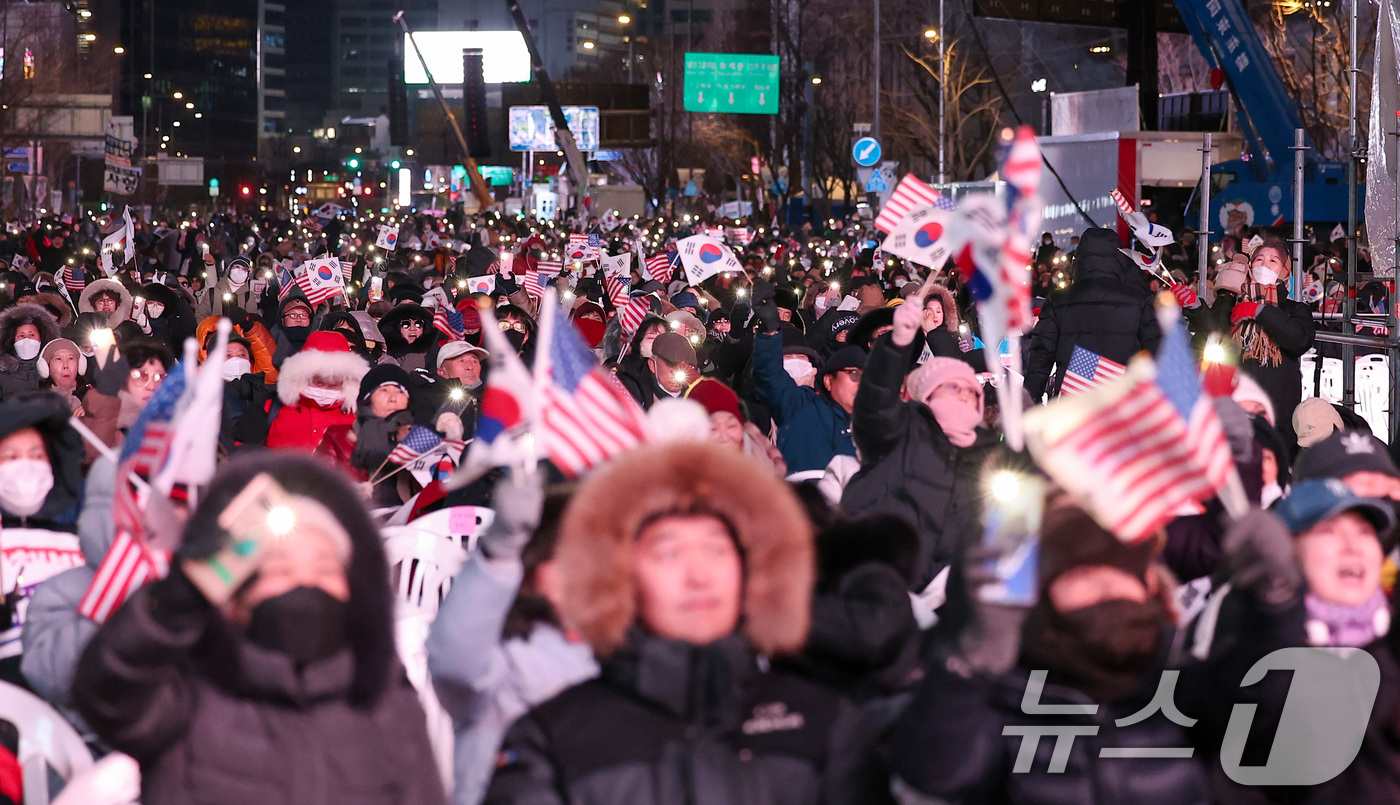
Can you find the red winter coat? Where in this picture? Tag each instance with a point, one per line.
(302, 426)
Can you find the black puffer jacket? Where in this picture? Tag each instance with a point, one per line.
(1107, 311)
(667, 722)
(909, 468)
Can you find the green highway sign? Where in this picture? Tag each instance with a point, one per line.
(743, 83)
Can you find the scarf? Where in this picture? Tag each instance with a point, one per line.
(1254, 343)
(1103, 649)
(957, 420)
(1353, 627)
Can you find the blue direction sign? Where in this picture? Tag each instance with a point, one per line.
(877, 183)
(867, 152)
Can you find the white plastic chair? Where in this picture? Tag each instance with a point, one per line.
(113, 780)
(46, 740)
(1373, 393)
(1331, 383)
(1308, 364)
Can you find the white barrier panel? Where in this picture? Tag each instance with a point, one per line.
(1372, 387)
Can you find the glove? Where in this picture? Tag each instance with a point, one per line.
(112, 377)
(1259, 554)
(849, 303)
(449, 425)
(765, 306)
(1244, 311)
(1185, 296)
(518, 500)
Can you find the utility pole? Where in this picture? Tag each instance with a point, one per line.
(875, 120)
(942, 97)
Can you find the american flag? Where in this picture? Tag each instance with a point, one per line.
(448, 321)
(1088, 370)
(533, 283)
(285, 282)
(588, 418)
(550, 267)
(347, 268)
(73, 278)
(1138, 450)
(630, 317)
(420, 442)
(618, 289)
(741, 235)
(657, 267)
(910, 193)
(130, 562)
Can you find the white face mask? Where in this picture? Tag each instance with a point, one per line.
(27, 348)
(322, 397)
(237, 276)
(797, 368)
(820, 303)
(900, 282)
(235, 368)
(24, 485)
(154, 309)
(1264, 275)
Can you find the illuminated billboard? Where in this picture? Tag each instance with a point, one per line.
(505, 59)
(532, 128)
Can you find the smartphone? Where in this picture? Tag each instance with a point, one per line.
(1011, 535)
(254, 519)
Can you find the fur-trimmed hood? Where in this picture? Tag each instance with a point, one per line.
(11, 319)
(950, 307)
(123, 311)
(296, 372)
(600, 528)
(57, 306)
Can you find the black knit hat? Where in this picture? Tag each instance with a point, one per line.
(1343, 453)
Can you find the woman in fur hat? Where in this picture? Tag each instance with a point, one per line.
(683, 565)
(275, 680)
(24, 330)
(107, 297)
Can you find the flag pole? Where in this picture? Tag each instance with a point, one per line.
(540, 374)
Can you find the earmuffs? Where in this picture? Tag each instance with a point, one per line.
(43, 366)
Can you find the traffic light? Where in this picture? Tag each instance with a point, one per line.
(353, 163)
(396, 164)
(245, 190)
(474, 104)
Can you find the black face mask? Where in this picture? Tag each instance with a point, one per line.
(306, 624)
(516, 339)
(297, 335)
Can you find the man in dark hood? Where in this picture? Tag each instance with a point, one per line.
(293, 327)
(1107, 311)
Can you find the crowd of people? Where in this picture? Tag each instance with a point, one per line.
(780, 597)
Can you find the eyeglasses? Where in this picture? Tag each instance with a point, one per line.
(518, 326)
(297, 316)
(404, 325)
(854, 374)
(147, 378)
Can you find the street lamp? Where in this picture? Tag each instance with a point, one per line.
(624, 19)
(931, 34)
(816, 79)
